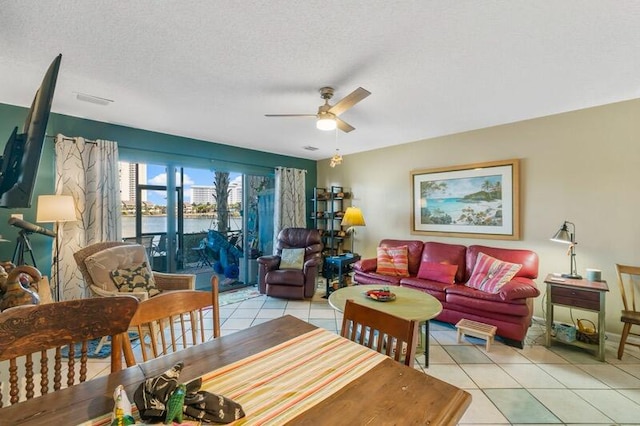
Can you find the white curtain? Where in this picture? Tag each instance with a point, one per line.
(88, 171)
(290, 210)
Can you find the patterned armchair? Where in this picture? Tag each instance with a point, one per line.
(110, 268)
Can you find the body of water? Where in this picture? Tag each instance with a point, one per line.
(151, 224)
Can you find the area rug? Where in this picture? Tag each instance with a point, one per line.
(237, 296)
(104, 351)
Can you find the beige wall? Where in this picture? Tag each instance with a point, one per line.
(581, 166)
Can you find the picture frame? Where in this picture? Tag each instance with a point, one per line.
(479, 200)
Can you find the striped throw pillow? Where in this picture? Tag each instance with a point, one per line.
(490, 274)
(393, 261)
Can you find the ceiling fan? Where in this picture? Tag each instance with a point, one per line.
(327, 116)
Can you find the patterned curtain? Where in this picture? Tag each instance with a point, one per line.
(290, 210)
(88, 171)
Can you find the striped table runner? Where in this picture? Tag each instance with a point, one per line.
(277, 384)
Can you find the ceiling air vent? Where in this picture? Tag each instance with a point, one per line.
(311, 148)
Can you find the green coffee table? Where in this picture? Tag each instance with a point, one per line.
(410, 304)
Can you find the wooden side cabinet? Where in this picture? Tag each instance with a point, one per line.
(577, 294)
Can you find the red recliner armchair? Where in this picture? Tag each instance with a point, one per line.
(293, 283)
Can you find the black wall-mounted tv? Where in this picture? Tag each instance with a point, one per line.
(21, 158)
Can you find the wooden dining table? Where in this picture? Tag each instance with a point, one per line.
(375, 390)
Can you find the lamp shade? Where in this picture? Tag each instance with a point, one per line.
(55, 208)
(563, 235)
(353, 217)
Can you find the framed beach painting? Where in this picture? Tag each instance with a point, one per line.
(473, 201)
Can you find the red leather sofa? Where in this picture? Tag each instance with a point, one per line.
(510, 310)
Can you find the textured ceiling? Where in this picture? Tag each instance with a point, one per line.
(211, 69)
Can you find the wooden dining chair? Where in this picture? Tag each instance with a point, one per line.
(629, 282)
(172, 321)
(32, 338)
(380, 331)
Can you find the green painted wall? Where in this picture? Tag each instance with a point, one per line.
(134, 145)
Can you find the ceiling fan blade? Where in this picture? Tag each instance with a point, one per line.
(344, 126)
(350, 100)
(290, 115)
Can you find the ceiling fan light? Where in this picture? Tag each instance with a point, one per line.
(326, 123)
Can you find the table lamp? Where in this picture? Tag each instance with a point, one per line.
(352, 217)
(56, 209)
(564, 236)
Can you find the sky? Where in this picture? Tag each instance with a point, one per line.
(156, 175)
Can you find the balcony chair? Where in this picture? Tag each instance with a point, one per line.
(33, 335)
(380, 331)
(292, 272)
(629, 282)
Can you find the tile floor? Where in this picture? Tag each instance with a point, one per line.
(534, 385)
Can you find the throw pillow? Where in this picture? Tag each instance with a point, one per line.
(292, 258)
(439, 272)
(393, 261)
(136, 278)
(490, 274)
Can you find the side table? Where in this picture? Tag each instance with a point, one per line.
(338, 266)
(577, 294)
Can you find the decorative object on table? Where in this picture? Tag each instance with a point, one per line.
(16, 291)
(565, 237)
(594, 274)
(381, 295)
(56, 209)
(209, 407)
(175, 405)
(152, 395)
(122, 408)
(352, 217)
(474, 200)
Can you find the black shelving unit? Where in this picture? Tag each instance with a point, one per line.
(327, 212)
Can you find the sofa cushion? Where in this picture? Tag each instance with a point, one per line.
(490, 274)
(527, 258)
(453, 254)
(135, 278)
(292, 258)
(440, 272)
(392, 261)
(414, 251)
(99, 265)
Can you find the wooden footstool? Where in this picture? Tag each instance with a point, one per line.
(476, 329)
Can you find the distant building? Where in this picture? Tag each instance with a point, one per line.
(235, 192)
(203, 194)
(128, 181)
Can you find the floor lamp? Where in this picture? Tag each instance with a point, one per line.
(352, 217)
(56, 209)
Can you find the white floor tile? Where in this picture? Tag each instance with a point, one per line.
(502, 354)
(568, 406)
(303, 314)
(490, 376)
(270, 313)
(572, 377)
(322, 313)
(531, 376)
(482, 411)
(613, 404)
(612, 376)
(244, 313)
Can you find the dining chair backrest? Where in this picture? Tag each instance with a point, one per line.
(385, 333)
(173, 320)
(34, 338)
(629, 284)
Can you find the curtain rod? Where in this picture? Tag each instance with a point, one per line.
(64, 138)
